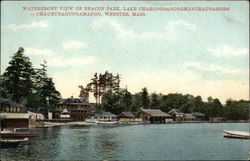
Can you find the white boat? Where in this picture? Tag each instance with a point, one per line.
(106, 118)
(91, 120)
(106, 122)
(236, 134)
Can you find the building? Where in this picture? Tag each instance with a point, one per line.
(14, 115)
(188, 117)
(153, 115)
(199, 116)
(79, 109)
(126, 117)
(36, 116)
(106, 117)
(216, 119)
(176, 114)
(10, 106)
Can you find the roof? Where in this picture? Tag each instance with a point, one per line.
(189, 115)
(106, 114)
(155, 112)
(75, 101)
(198, 114)
(175, 111)
(8, 102)
(126, 114)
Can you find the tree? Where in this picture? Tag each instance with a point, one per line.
(136, 102)
(236, 110)
(84, 92)
(154, 101)
(44, 94)
(17, 79)
(100, 84)
(126, 100)
(144, 98)
(111, 102)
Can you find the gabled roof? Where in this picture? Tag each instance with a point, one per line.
(126, 114)
(189, 115)
(155, 112)
(106, 114)
(175, 111)
(198, 114)
(75, 101)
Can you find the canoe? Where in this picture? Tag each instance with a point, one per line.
(11, 142)
(236, 134)
(18, 134)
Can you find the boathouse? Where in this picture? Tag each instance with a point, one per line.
(14, 115)
(176, 114)
(153, 115)
(126, 117)
(199, 116)
(188, 117)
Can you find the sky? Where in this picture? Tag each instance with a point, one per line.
(198, 53)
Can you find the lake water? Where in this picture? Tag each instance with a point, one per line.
(190, 141)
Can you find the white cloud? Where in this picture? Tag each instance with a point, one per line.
(174, 25)
(39, 52)
(74, 45)
(227, 50)
(124, 33)
(212, 68)
(72, 62)
(34, 24)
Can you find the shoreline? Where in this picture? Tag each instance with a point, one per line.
(51, 124)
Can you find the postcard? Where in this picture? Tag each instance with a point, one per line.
(124, 80)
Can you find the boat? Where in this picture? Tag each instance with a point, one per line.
(14, 134)
(106, 118)
(11, 142)
(44, 126)
(91, 120)
(106, 122)
(236, 134)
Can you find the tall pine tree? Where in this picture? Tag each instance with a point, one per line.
(17, 79)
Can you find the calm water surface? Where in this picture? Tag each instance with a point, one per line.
(193, 141)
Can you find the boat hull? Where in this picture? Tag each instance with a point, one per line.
(107, 122)
(10, 143)
(236, 134)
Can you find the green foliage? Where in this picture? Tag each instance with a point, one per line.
(236, 110)
(154, 101)
(111, 102)
(101, 84)
(144, 98)
(27, 85)
(17, 79)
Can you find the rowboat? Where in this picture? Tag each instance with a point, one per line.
(236, 134)
(11, 142)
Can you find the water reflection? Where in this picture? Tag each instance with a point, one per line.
(108, 145)
(140, 142)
